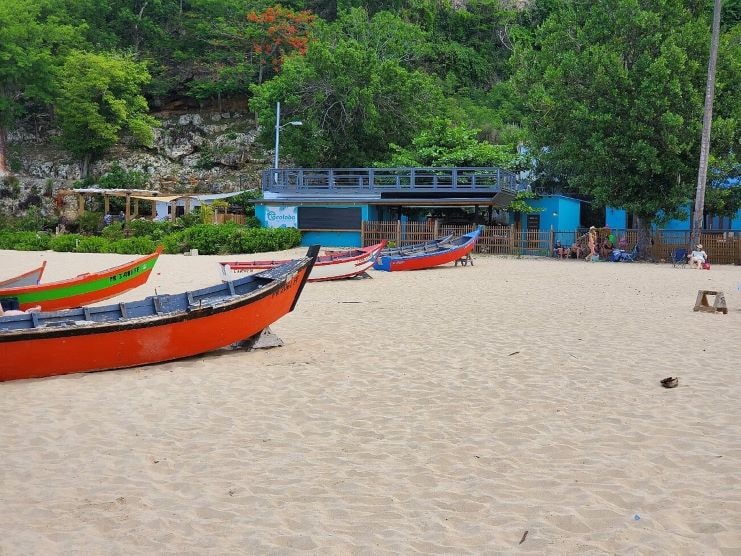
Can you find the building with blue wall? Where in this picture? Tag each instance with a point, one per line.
(329, 205)
(618, 219)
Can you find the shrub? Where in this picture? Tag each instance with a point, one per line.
(133, 246)
(258, 240)
(113, 232)
(118, 178)
(90, 222)
(173, 243)
(24, 241)
(92, 244)
(65, 243)
(252, 222)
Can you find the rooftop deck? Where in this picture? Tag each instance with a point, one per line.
(391, 183)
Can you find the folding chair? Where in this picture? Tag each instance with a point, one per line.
(679, 257)
(630, 257)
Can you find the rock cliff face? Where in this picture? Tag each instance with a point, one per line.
(197, 152)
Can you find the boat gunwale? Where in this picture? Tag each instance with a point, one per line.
(154, 320)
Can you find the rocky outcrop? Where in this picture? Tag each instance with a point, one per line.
(192, 152)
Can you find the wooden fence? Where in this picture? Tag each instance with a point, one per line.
(721, 247)
(221, 218)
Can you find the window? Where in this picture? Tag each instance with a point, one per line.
(323, 218)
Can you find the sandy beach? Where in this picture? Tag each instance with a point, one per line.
(513, 406)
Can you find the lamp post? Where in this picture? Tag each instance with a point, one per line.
(278, 127)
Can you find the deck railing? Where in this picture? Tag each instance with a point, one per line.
(721, 247)
(378, 180)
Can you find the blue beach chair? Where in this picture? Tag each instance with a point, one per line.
(630, 257)
(679, 257)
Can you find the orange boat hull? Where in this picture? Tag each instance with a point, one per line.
(142, 343)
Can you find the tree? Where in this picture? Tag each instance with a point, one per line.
(707, 123)
(352, 105)
(100, 100)
(279, 32)
(614, 89)
(30, 40)
(446, 144)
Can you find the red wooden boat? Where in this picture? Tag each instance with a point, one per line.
(427, 257)
(83, 289)
(334, 266)
(155, 329)
(30, 278)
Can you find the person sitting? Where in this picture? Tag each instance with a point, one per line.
(606, 249)
(559, 250)
(575, 251)
(698, 257)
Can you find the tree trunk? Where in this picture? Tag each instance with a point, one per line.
(4, 171)
(644, 237)
(85, 166)
(707, 123)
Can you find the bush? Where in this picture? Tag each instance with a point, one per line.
(24, 241)
(252, 222)
(258, 240)
(90, 222)
(113, 232)
(65, 243)
(173, 243)
(92, 244)
(118, 178)
(209, 239)
(133, 246)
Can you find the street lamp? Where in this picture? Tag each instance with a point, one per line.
(278, 127)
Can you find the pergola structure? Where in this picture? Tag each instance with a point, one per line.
(133, 196)
(128, 194)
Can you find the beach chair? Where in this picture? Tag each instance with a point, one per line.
(679, 257)
(630, 257)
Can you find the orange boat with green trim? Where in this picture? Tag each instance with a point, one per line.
(151, 330)
(83, 289)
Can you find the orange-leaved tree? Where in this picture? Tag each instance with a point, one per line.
(279, 31)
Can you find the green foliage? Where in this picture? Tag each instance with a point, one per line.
(257, 240)
(615, 96)
(65, 243)
(33, 41)
(352, 103)
(101, 99)
(24, 241)
(445, 144)
(243, 200)
(132, 246)
(92, 244)
(90, 222)
(520, 204)
(118, 178)
(113, 231)
(141, 227)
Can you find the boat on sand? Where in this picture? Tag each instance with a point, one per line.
(155, 329)
(420, 256)
(333, 266)
(82, 289)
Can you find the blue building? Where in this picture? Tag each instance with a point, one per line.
(329, 205)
